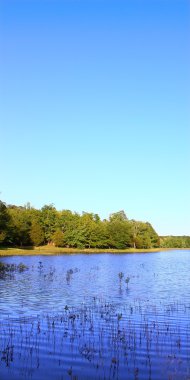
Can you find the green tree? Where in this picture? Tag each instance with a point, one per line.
(119, 216)
(19, 226)
(4, 220)
(58, 238)
(89, 230)
(36, 233)
(143, 235)
(175, 241)
(50, 221)
(25, 226)
(119, 231)
(69, 225)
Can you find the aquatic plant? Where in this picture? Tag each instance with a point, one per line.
(121, 275)
(127, 280)
(5, 268)
(108, 342)
(98, 335)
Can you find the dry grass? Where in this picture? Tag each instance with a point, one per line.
(51, 250)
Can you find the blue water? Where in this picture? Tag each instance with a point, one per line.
(70, 317)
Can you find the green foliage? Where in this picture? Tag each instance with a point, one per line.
(49, 220)
(4, 220)
(143, 235)
(89, 230)
(119, 216)
(24, 226)
(58, 238)
(119, 232)
(175, 241)
(36, 233)
(19, 226)
(69, 224)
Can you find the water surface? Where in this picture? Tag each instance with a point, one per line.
(70, 317)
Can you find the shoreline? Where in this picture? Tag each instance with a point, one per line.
(51, 251)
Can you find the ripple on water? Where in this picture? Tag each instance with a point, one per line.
(88, 325)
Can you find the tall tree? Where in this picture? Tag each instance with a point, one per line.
(119, 230)
(119, 216)
(50, 221)
(37, 235)
(19, 226)
(4, 220)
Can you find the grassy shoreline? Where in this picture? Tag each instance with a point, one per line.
(51, 250)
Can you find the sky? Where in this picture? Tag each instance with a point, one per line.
(95, 107)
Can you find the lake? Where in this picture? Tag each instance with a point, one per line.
(73, 317)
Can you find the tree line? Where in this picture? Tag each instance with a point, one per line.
(175, 241)
(22, 226)
(26, 226)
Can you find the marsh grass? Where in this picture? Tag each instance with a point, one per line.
(9, 269)
(100, 339)
(110, 343)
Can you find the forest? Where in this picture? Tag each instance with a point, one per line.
(24, 226)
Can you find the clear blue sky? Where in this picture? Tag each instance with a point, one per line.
(94, 107)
